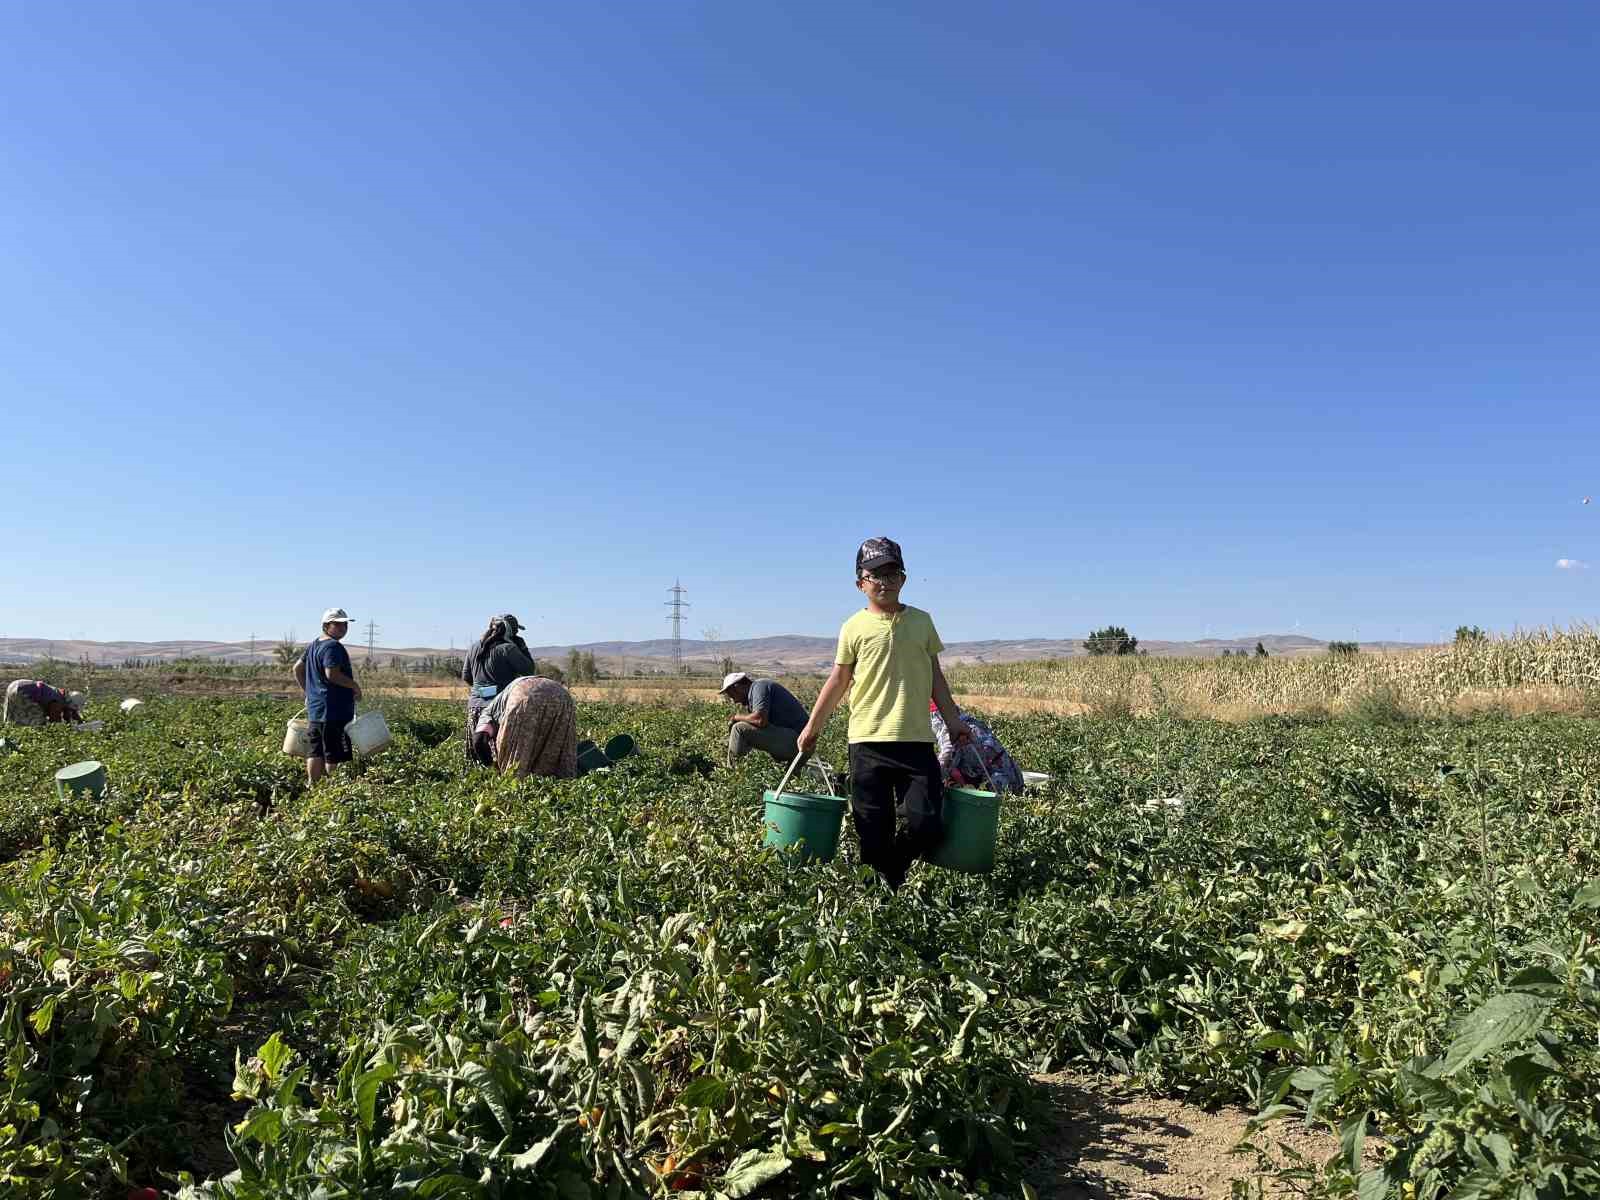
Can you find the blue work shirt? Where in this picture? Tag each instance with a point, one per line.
(328, 701)
(778, 702)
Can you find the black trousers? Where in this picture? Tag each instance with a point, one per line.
(890, 781)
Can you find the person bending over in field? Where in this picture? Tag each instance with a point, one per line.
(770, 718)
(530, 728)
(35, 702)
(495, 660)
(978, 764)
(324, 671)
(888, 658)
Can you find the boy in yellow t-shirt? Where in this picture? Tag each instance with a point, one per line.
(888, 658)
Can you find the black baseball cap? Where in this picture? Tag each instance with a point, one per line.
(879, 552)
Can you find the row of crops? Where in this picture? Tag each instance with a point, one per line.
(418, 981)
(1550, 670)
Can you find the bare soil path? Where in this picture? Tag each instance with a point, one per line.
(1107, 1140)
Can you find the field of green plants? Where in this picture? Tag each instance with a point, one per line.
(419, 981)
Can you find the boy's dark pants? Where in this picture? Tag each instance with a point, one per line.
(890, 779)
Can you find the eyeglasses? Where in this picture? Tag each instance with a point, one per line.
(882, 578)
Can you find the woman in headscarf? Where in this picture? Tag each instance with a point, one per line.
(495, 660)
(531, 728)
(964, 766)
(35, 702)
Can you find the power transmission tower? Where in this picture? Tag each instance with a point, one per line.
(252, 647)
(372, 635)
(677, 604)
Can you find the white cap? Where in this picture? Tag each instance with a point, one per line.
(336, 614)
(76, 700)
(732, 678)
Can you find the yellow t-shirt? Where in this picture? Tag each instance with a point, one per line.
(893, 660)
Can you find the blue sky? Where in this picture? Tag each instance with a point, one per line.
(1199, 319)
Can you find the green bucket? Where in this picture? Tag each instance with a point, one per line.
(79, 778)
(591, 757)
(620, 747)
(971, 829)
(795, 817)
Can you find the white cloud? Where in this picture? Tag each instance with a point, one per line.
(1571, 564)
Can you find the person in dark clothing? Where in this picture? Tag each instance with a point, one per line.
(496, 660)
(324, 671)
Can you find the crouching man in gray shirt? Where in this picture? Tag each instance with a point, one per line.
(771, 719)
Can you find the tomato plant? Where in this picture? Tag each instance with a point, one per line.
(420, 978)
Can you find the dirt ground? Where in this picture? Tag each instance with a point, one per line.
(1110, 1140)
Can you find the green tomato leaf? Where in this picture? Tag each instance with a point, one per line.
(366, 1090)
(1433, 1095)
(446, 1185)
(1353, 1140)
(1483, 1182)
(1537, 981)
(705, 1092)
(482, 1079)
(274, 1055)
(1526, 1074)
(43, 1015)
(751, 1170)
(1500, 1021)
(265, 1125)
(1588, 896)
(1309, 1079)
(1372, 1185)
(536, 1153)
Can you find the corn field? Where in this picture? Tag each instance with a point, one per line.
(1542, 670)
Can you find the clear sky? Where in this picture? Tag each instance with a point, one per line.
(1216, 318)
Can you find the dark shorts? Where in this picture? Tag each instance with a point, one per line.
(329, 741)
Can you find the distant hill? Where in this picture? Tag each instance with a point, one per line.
(793, 653)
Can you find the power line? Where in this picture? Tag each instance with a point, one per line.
(677, 604)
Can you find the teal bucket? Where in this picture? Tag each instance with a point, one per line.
(812, 822)
(591, 757)
(620, 747)
(79, 778)
(971, 829)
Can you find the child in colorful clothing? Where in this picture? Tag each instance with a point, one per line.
(888, 659)
(35, 702)
(982, 763)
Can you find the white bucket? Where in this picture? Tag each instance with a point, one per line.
(369, 733)
(297, 737)
(130, 704)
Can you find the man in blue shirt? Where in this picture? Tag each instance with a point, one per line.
(331, 689)
(772, 719)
